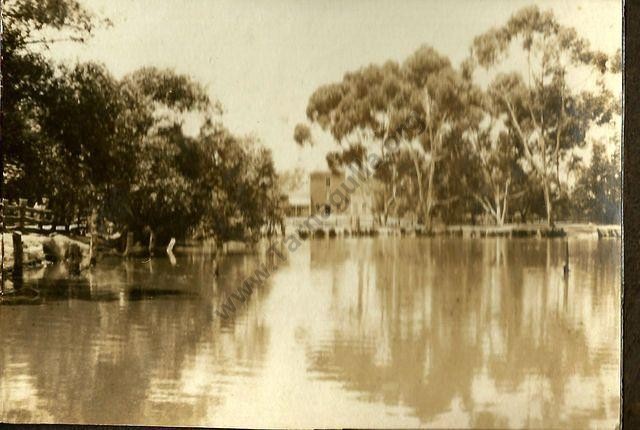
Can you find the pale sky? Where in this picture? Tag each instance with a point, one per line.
(263, 59)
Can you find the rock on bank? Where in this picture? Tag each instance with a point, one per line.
(37, 249)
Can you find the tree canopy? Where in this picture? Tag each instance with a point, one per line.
(449, 146)
(89, 142)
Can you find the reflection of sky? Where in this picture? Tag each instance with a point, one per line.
(354, 332)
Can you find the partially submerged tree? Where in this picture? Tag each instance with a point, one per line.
(238, 188)
(159, 193)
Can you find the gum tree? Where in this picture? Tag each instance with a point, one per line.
(491, 175)
(359, 113)
(544, 111)
(396, 111)
(443, 98)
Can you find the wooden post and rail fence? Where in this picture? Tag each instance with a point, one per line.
(20, 218)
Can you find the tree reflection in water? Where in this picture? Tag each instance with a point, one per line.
(122, 346)
(355, 332)
(491, 326)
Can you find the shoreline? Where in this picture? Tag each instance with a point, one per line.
(568, 230)
(39, 250)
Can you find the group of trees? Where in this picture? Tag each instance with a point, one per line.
(86, 141)
(452, 148)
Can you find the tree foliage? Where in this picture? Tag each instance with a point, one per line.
(597, 193)
(548, 116)
(448, 146)
(87, 141)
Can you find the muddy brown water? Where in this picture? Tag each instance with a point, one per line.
(385, 332)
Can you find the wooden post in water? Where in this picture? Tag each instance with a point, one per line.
(129, 245)
(2, 261)
(216, 270)
(566, 258)
(172, 243)
(172, 258)
(152, 242)
(17, 254)
(93, 244)
(73, 258)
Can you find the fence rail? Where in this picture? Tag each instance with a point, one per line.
(20, 217)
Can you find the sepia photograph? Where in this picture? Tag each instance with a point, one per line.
(312, 214)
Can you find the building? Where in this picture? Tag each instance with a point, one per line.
(321, 186)
(297, 201)
(297, 206)
(340, 193)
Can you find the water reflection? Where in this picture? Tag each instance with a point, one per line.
(354, 332)
(485, 335)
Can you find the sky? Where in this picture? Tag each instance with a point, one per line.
(263, 59)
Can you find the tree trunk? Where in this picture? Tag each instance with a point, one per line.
(547, 202)
(429, 202)
(394, 191)
(498, 214)
(416, 165)
(506, 197)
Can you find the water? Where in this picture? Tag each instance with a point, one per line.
(385, 332)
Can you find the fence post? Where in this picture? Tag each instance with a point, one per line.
(2, 246)
(21, 205)
(17, 254)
